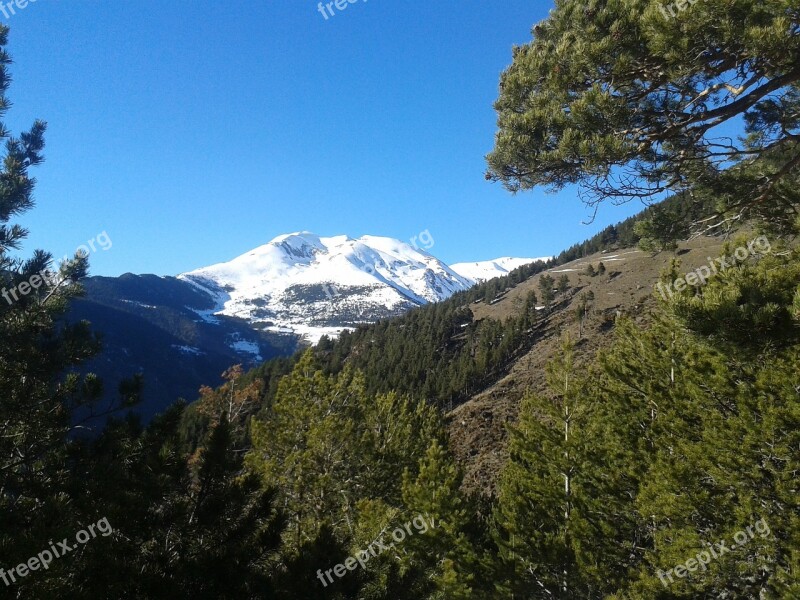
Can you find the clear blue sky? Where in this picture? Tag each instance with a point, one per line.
(193, 131)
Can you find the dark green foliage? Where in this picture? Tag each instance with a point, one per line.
(181, 528)
(630, 102)
(563, 284)
(547, 514)
(42, 401)
(546, 283)
(675, 437)
(686, 436)
(349, 466)
(433, 352)
(663, 229)
(300, 579)
(437, 352)
(749, 306)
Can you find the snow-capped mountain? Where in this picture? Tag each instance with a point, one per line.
(310, 285)
(181, 331)
(489, 269)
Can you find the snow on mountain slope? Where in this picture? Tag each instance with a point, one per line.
(489, 269)
(310, 285)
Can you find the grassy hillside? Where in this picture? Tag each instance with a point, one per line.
(476, 354)
(477, 427)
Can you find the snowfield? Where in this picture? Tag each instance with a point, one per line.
(313, 286)
(489, 269)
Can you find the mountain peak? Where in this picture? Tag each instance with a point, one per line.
(311, 285)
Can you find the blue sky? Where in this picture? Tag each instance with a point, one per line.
(192, 132)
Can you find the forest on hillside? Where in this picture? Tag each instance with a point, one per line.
(667, 469)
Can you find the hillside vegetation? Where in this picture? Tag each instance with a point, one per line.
(563, 432)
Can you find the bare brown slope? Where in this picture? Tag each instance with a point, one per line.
(478, 427)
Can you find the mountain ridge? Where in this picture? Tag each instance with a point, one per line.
(371, 278)
(481, 271)
(311, 285)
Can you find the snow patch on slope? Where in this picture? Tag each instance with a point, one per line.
(311, 285)
(489, 269)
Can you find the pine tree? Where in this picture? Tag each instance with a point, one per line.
(749, 305)
(673, 404)
(237, 402)
(529, 311)
(563, 284)
(540, 508)
(444, 549)
(582, 310)
(328, 445)
(206, 530)
(731, 415)
(43, 400)
(626, 99)
(661, 230)
(302, 445)
(546, 283)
